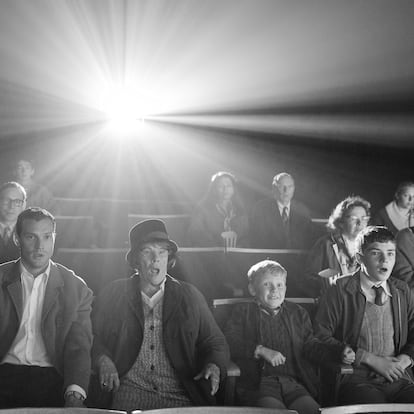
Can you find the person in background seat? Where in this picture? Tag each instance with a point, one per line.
(37, 194)
(12, 203)
(220, 218)
(281, 222)
(399, 213)
(334, 254)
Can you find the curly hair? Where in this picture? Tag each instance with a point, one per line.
(340, 211)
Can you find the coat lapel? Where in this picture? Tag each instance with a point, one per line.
(53, 289)
(134, 298)
(14, 287)
(172, 299)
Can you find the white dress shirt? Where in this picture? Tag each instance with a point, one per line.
(28, 348)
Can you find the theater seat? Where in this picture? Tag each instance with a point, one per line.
(218, 410)
(369, 408)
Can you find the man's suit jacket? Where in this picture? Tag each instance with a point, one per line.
(267, 231)
(8, 251)
(65, 326)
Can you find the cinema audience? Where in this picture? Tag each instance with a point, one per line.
(270, 339)
(12, 203)
(281, 222)
(45, 326)
(367, 319)
(334, 254)
(156, 343)
(37, 194)
(398, 214)
(220, 218)
(404, 261)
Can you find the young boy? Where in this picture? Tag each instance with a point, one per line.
(367, 319)
(268, 339)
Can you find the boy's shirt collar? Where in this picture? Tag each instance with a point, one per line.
(367, 284)
(268, 311)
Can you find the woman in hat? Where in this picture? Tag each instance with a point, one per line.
(156, 344)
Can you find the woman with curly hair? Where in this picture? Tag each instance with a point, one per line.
(333, 254)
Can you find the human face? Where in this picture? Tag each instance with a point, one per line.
(269, 289)
(224, 188)
(152, 262)
(37, 241)
(24, 171)
(406, 198)
(284, 189)
(377, 260)
(354, 220)
(11, 205)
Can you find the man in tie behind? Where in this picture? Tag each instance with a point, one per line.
(367, 319)
(12, 203)
(45, 327)
(281, 222)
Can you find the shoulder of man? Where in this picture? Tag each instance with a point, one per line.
(66, 273)
(6, 268)
(300, 208)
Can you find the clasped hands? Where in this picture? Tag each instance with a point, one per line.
(109, 378)
(391, 368)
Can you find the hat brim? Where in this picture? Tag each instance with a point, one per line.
(173, 245)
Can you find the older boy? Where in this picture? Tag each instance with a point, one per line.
(367, 319)
(268, 339)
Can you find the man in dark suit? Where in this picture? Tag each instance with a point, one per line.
(12, 203)
(281, 222)
(45, 327)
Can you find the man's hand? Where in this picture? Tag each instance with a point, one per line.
(390, 368)
(108, 374)
(405, 361)
(273, 357)
(212, 372)
(348, 355)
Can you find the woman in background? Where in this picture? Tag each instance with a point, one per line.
(220, 217)
(334, 254)
(398, 214)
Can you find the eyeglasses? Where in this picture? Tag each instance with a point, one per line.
(16, 202)
(360, 220)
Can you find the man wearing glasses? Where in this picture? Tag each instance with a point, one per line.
(12, 203)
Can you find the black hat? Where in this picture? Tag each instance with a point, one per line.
(147, 231)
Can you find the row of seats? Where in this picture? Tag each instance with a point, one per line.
(86, 231)
(215, 271)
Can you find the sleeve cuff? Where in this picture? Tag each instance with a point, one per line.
(360, 355)
(74, 387)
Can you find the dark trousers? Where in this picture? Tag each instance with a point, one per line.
(30, 386)
(376, 390)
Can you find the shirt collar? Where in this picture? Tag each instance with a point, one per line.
(156, 297)
(367, 284)
(24, 271)
(281, 207)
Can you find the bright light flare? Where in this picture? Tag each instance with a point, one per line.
(126, 108)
